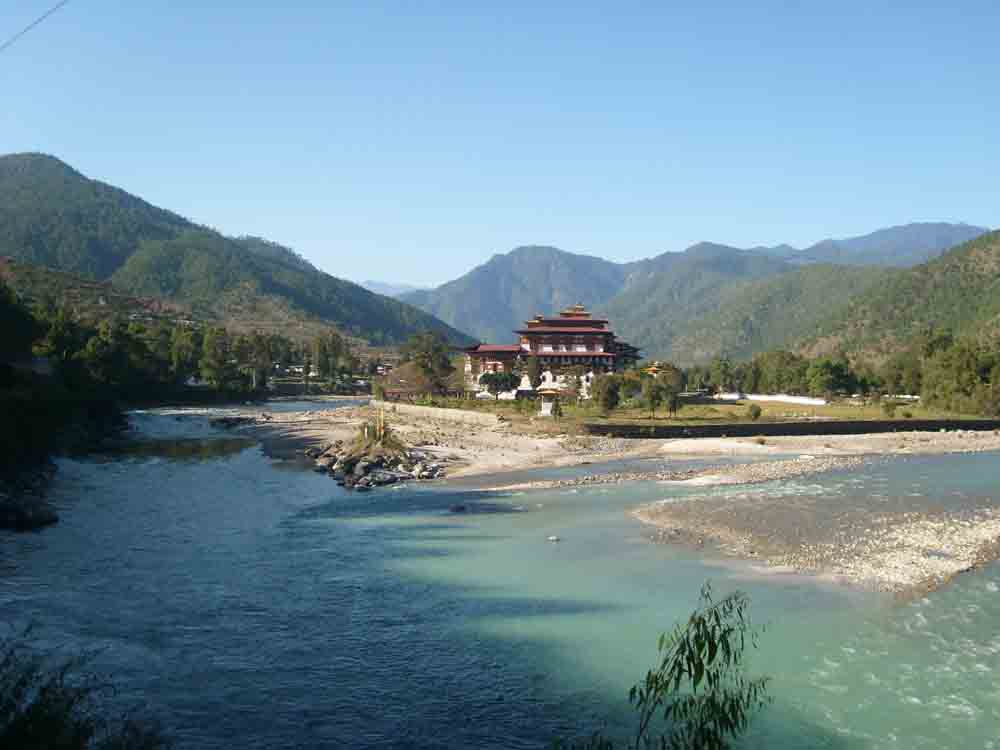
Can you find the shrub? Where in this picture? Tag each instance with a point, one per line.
(47, 703)
(753, 411)
(697, 696)
(889, 408)
(907, 414)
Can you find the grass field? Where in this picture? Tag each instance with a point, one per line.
(523, 414)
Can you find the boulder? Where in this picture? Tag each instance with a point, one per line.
(379, 478)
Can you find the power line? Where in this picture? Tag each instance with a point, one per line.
(32, 25)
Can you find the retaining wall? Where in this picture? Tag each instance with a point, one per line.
(777, 429)
(433, 412)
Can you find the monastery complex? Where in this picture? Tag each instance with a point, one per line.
(572, 341)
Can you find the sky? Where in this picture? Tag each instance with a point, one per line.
(409, 142)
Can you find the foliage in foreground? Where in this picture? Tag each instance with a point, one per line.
(697, 696)
(46, 705)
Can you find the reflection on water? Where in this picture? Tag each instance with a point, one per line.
(259, 606)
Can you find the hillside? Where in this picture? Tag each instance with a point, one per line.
(686, 286)
(91, 301)
(771, 313)
(51, 215)
(960, 292)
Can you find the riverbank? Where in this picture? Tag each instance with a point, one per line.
(905, 546)
(904, 551)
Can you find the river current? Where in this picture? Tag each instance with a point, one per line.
(252, 603)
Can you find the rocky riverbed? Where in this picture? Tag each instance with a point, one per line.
(366, 472)
(750, 473)
(904, 543)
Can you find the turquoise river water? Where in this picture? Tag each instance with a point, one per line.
(255, 604)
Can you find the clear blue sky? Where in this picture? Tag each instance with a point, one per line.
(411, 141)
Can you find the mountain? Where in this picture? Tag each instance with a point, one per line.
(958, 292)
(388, 289)
(52, 216)
(662, 303)
(682, 287)
(495, 298)
(901, 246)
(771, 313)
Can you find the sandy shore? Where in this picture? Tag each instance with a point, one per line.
(906, 549)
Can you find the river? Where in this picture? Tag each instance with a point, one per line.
(251, 603)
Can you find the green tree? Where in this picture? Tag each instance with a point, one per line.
(653, 394)
(698, 697)
(216, 364)
(18, 328)
(64, 338)
(108, 356)
(722, 374)
(499, 382)
(673, 402)
(432, 356)
(606, 392)
(185, 352)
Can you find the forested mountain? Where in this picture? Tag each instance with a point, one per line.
(682, 288)
(53, 216)
(772, 313)
(495, 298)
(958, 292)
(689, 306)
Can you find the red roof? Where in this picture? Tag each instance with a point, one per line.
(582, 355)
(494, 349)
(568, 322)
(561, 329)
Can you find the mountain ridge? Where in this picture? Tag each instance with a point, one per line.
(53, 216)
(654, 300)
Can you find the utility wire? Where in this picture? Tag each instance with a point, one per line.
(32, 25)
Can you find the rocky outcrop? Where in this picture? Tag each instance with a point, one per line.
(22, 500)
(368, 471)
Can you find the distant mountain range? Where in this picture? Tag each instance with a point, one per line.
(693, 305)
(52, 216)
(389, 289)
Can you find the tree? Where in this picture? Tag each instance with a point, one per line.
(432, 356)
(674, 403)
(63, 340)
(606, 392)
(185, 352)
(697, 697)
(499, 382)
(672, 377)
(215, 364)
(534, 371)
(106, 355)
(722, 374)
(653, 394)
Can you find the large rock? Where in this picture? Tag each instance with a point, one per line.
(379, 478)
(26, 514)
